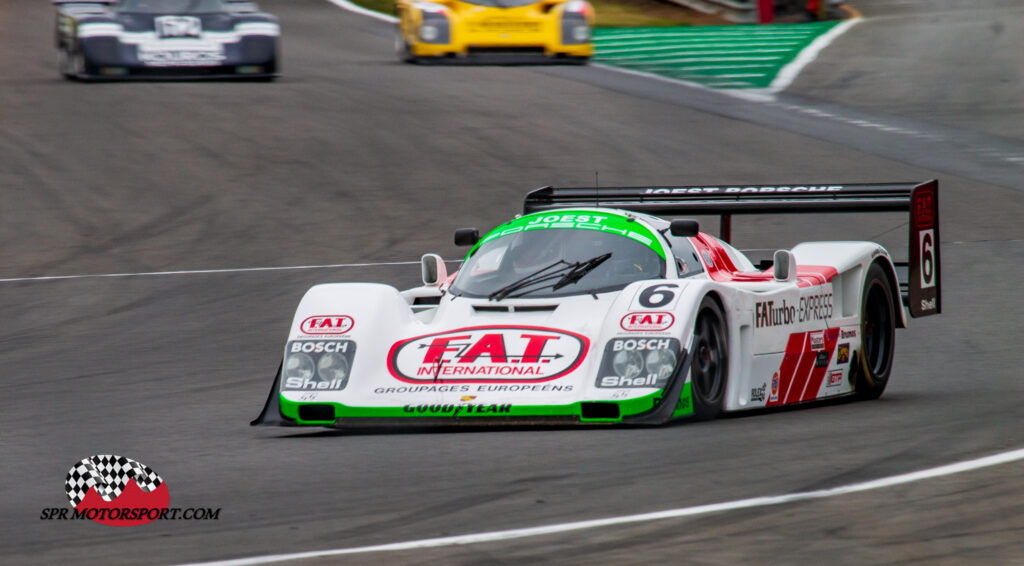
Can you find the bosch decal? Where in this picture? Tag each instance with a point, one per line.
(638, 362)
(488, 354)
(656, 321)
(317, 365)
(327, 324)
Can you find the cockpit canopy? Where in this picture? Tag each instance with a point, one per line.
(556, 255)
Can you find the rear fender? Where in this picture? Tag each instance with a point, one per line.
(851, 261)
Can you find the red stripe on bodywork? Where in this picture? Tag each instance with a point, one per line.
(803, 372)
(722, 269)
(818, 374)
(794, 348)
(810, 275)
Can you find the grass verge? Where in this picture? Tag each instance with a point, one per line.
(613, 13)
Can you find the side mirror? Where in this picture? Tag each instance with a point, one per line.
(785, 266)
(684, 228)
(466, 237)
(433, 270)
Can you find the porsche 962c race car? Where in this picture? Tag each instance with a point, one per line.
(123, 39)
(497, 31)
(589, 310)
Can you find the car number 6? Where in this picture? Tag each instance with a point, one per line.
(657, 295)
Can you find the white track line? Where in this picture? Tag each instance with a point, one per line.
(205, 271)
(807, 55)
(673, 52)
(930, 473)
(346, 5)
(783, 80)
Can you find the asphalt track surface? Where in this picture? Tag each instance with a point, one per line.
(353, 158)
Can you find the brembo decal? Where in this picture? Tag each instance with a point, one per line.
(488, 354)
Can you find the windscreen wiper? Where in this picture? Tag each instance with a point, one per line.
(579, 270)
(538, 276)
(571, 273)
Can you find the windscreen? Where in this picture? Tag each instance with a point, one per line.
(502, 262)
(172, 6)
(501, 3)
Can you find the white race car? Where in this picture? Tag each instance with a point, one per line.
(589, 310)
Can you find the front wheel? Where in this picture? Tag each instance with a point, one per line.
(402, 49)
(709, 365)
(67, 62)
(878, 335)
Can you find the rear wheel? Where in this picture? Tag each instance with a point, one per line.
(878, 335)
(709, 366)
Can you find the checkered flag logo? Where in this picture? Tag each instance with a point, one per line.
(109, 475)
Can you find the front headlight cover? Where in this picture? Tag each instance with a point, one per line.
(627, 364)
(638, 362)
(298, 366)
(331, 367)
(317, 365)
(575, 30)
(435, 27)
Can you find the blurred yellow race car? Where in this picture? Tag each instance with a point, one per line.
(499, 31)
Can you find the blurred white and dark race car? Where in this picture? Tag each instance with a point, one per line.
(587, 309)
(165, 39)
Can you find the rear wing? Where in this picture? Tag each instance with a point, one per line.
(919, 278)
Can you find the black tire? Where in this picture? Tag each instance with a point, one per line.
(709, 365)
(878, 335)
(79, 66)
(64, 62)
(402, 49)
